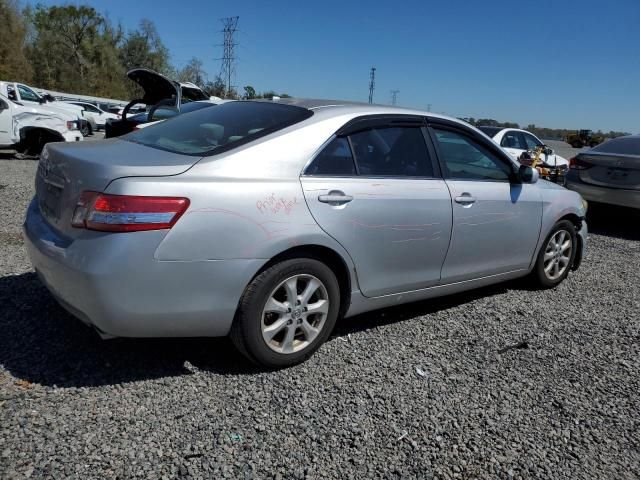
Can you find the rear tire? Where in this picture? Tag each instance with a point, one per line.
(286, 313)
(556, 255)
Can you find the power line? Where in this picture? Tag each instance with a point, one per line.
(372, 83)
(394, 96)
(228, 67)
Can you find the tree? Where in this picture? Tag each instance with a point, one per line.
(193, 72)
(143, 48)
(249, 92)
(73, 49)
(216, 88)
(13, 32)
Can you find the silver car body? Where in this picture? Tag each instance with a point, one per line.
(398, 240)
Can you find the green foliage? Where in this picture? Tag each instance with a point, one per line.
(13, 32)
(249, 92)
(193, 72)
(217, 88)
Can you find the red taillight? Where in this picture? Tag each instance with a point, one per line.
(576, 164)
(127, 213)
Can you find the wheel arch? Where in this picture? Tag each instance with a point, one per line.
(30, 136)
(326, 255)
(577, 223)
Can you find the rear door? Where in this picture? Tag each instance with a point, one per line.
(376, 189)
(496, 222)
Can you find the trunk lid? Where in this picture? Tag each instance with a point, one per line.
(66, 170)
(156, 87)
(611, 170)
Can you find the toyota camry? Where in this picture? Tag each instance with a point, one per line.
(270, 220)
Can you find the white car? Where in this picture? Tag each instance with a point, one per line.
(515, 142)
(99, 115)
(26, 130)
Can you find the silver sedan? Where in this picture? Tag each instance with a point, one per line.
(268, 221)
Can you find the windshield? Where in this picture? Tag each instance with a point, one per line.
(212, 130)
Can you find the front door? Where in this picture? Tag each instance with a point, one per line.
(378, 194)
(496, 222)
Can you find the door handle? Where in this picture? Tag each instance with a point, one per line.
(465, 199)
(335, 197)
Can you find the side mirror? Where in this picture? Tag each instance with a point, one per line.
(528, 174)
(3, 105)
(41, 100)
(547, 150)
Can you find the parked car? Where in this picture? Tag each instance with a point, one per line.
(159, 91)
(99, 116)
(608, 173)
(27, 97)
(144, 120)
(27, 131)
(269, 220)
(516, 142)
(86, 121)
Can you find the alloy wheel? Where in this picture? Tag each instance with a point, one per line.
(557, 254)
(294, 313)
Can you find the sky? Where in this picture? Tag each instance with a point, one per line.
(552, 63)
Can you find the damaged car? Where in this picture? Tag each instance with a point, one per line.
(159, 92)
(270, 220)
(27, 131)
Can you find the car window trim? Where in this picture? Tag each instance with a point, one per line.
(454, 127)
(369, 122)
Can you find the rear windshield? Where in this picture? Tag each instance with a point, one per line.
(213, 130)
(489, 131)
(620, 145)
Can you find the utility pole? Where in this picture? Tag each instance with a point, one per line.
(228, 67)
(372, 83)
(428, 107)
(394, 96)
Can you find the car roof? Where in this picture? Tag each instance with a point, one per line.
(324, 107)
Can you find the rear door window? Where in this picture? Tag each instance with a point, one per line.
(212, 130)
(335, 159)
(381, 151)
(393, 152)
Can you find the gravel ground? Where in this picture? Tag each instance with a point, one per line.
(418, 391)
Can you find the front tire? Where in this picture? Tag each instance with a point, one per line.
(286, 313)
(556, 256)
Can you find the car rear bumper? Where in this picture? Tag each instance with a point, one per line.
(612, 196)
(114, 283)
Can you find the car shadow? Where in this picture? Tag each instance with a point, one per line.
(43, 344)
(613, 221)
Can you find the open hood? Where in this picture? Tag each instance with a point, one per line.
(157, 87)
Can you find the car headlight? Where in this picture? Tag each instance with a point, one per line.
(72, 125)
(585, 205)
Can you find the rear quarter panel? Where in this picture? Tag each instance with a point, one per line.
(247, 204)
